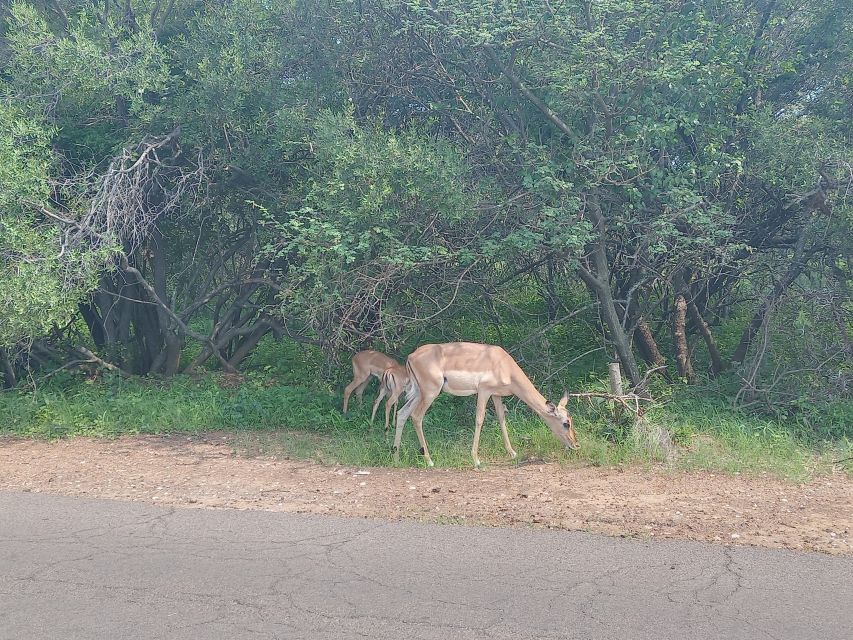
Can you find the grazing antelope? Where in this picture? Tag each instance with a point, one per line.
(392, 384)
(466, 368)
(365, 364)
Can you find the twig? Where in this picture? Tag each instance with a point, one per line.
(645, 379)
(67, 365)
(572, 361)
(545, 329)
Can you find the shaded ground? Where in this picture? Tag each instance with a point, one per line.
(205, 471)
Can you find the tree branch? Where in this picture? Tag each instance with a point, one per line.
(518, 83)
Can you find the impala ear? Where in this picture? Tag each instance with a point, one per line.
(549, 406)
(563, 401)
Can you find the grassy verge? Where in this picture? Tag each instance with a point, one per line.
(268, 417)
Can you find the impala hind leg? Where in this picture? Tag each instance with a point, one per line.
(403, 415)
(376, 406)
(418, 421)
(500, 411)
(389, 403)
(416, 406)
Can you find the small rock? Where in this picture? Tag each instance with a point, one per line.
(437, 489)
(735, 536)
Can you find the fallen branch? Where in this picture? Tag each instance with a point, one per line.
(91, 357)
(623, 399)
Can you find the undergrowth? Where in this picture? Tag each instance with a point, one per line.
(268, 414)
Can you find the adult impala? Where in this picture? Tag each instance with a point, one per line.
(364, 365)
(466, 368)
(392, 384)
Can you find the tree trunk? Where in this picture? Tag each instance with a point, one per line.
(7, 368)
(644, 339)
(705, 330)
(148, 336)
(599, 283)
(93, 321)
(648, 345)
(842, 331)
(679, 335)
(794, 270)
(247, 344)
(168, 343)
(550, 291)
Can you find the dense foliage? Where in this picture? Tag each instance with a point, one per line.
(670, 181)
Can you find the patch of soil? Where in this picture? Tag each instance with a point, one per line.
(205, 471)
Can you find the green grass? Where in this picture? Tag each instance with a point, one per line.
(267, 417)
(285, 406)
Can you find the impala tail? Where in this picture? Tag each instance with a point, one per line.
(412, 394)
(412, 385)
(388, 381)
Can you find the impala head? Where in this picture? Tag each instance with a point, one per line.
(560, 422)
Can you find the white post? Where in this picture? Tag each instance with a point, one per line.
(616, 388)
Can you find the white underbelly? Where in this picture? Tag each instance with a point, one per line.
(463, 383)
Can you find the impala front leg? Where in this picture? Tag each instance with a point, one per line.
(482, 400)
(348, 392)
(359, 392)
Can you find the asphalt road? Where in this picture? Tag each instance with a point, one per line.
(75, 568)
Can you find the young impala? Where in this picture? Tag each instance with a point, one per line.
(466, 368)
(364, 365)
(393, 383)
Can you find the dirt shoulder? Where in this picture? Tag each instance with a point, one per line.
(204, 471)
